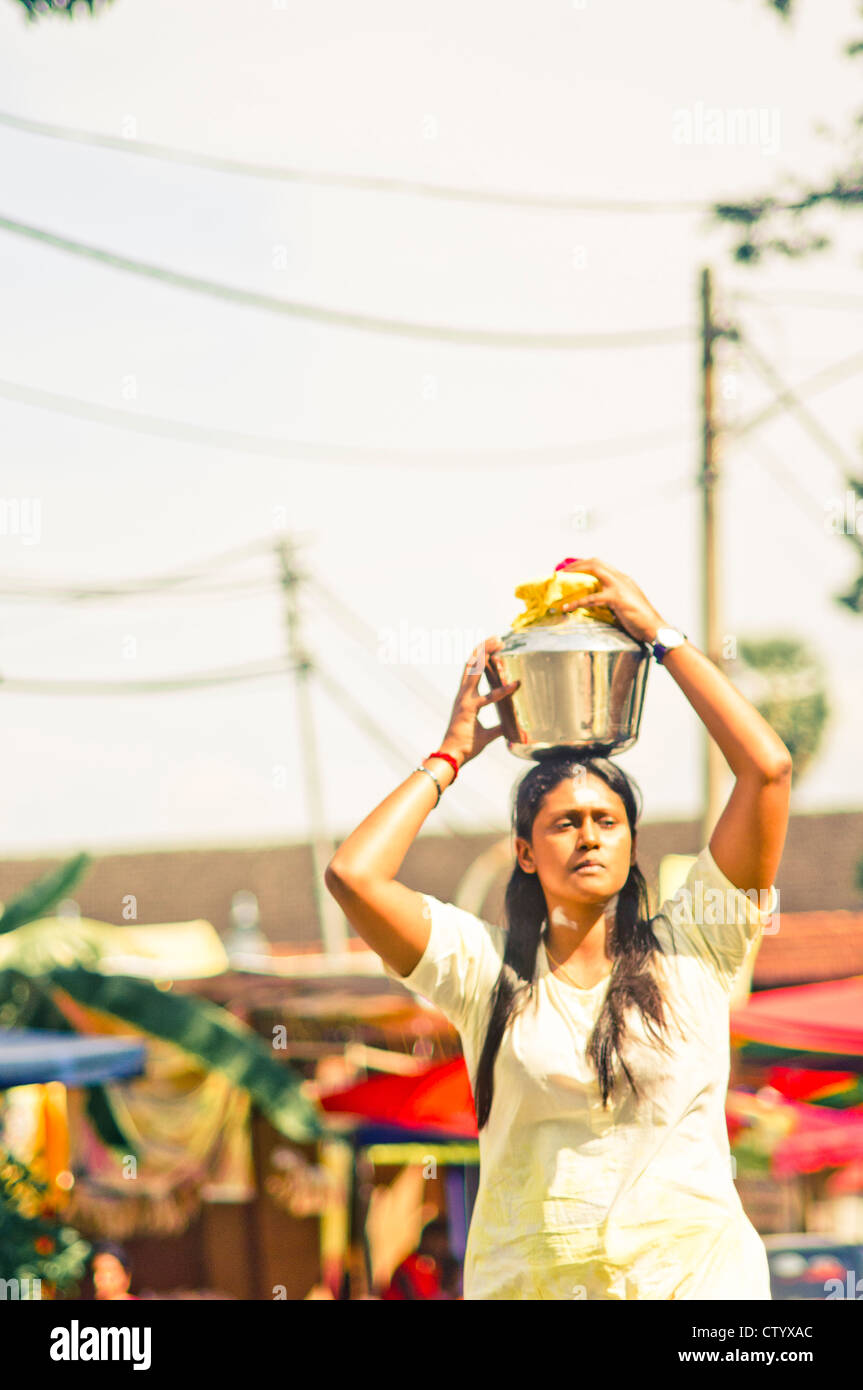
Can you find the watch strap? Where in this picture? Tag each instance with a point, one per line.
(659, 651)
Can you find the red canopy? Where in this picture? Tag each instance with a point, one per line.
(797, 1138)
(838, 1089)
(801, 1138)
(824, 1018)
(438, 1098)
(822, 1139)
(847, 1180)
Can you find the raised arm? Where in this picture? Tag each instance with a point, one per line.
(749, 837)
(361, 874)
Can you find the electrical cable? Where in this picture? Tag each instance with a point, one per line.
(354, 624)
(789, 484)
(804, 416)
(813, 299)
(200, 680)
(338, 318)
(359, 182)
(820, 381)
(155, 686)
(153, 585)
(437, 704)
(544, 455)
(403, 758)
(251, 588)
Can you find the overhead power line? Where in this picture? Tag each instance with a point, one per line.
(251, 588)
(545, 455)
(812, 508)
(403, 758)
(847, 466)
(338, 318)
(358, 627)
(820, 381)
(154, 686)
(69, 591)
(359, 182)
(805, 299)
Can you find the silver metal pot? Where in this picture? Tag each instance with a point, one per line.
(582, 686)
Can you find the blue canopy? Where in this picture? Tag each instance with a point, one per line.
(29, 1055)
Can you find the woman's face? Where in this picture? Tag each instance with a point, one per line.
(581, 818)
(109, 1276)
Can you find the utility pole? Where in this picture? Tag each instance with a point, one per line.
(331, 920)
(714, 767)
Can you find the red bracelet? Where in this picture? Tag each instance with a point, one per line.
(448, 758)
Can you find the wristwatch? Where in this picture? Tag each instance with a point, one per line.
(666, 639)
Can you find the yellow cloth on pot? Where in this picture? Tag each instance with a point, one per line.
(542, 599)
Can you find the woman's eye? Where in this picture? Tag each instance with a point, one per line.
(562, 824)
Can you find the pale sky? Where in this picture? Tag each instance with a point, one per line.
(580, 100)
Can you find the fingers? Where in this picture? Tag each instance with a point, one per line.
(479, 657)
(499, 694)
(592, 566)
(603, 596)
(599, 597)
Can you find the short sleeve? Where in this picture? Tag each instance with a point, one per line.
(460, 965)
(712, 920)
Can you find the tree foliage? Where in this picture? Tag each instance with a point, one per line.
(33, 1243)
(35, 8)
(778, 223)
(787, 685)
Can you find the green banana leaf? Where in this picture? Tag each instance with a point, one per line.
(103, 1118)
(36, 955)
(38, 947)
(207, 1032)
(37, 899)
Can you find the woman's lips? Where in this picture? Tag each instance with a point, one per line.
(592, 865)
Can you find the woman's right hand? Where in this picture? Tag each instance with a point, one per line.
(465, 736)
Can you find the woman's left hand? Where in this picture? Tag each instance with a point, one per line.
(619, 593)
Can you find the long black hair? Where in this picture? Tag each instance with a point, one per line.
(630, 941)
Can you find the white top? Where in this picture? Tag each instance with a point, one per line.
(637, 1201)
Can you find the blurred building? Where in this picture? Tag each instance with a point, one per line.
(355, 1018)
(820, 902)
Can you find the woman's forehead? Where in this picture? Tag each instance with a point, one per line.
(582, 792)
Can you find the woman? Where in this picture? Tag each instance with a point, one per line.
(112, 1271)
(597, 1041)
